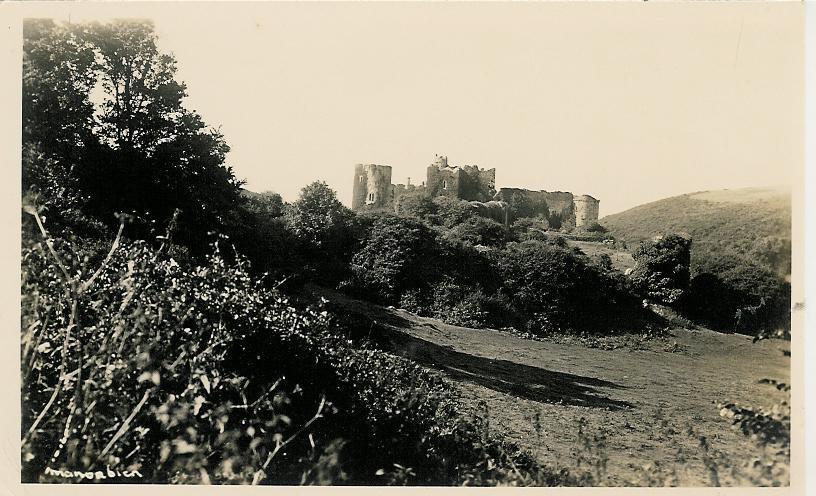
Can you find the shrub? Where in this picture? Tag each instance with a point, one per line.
(398, 254)
(452, 211)
(417, 205)
(727, 285)
(199, 374)
(469, 306)
(479, 231)
(557, 289)
(662, 268)
(530, 228)
(595, 227)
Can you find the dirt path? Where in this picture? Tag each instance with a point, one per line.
(641, 402)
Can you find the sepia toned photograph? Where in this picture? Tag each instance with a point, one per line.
(410, 244)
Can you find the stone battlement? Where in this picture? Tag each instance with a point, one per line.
(373, 190)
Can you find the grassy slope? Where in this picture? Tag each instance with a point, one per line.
(725, 221)
(642, 401)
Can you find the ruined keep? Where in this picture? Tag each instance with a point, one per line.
(467, 182)
(372, 187)
(586, 210)
(373, 190)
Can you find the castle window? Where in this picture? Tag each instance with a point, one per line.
(361, 179)
(444, 184)
(371, 197)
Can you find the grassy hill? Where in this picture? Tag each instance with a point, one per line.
(753, 224)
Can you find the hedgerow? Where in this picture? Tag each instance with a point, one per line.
(135, 363)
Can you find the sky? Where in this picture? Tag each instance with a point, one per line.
(629, 103)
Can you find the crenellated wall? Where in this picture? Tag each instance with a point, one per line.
(373, 189)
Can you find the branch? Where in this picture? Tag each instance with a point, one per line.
(50, 245)
(126, 424)
(261, 474)
(87, 284)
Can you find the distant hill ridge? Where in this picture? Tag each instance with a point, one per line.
(750, 223)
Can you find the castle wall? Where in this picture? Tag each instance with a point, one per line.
(496, 210)
(373, 189)
(372, 186)
(402, 189)
(556, 206)
(586, 210)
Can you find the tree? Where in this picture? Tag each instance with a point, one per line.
(325, 230)
(452, 211)
(317, 216)
(59, 72)
(662, 269)
(133, 147)
(479, 231)
(416, 204)
(399, 254)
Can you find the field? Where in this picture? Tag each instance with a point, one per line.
(638, 403)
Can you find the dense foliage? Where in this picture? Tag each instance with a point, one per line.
(662, 270)
(558, 289)
(131, 147)
(141, 364)
(741, 256)
(470, 275)
(750, 224)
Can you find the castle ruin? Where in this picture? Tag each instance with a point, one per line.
(373, 190)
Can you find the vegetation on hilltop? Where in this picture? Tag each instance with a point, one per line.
(740, 256)
(754, 224)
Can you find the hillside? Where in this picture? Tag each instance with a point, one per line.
(751, 223)
(539, 393)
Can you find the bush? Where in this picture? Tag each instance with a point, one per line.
(469, 306)
(662, 268)
(452, 211)
(595, 228)
(398, 254)
(479, 231)
(199, 374)
(728, 285)
(417, 205)
(558, 289)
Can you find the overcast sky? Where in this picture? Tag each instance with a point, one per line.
(628, 103)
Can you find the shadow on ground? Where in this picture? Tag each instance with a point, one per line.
(386, 329)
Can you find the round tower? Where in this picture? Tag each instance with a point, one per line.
(372, 186)
(586, 210)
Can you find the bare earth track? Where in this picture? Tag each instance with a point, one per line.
(641, 401)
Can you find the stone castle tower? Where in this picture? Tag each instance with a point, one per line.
(467, 182)
(373, 190)
(586, 210)
(372, 186)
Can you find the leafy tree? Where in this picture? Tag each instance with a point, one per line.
(479, 231)
(662, 269)
(416, 204)
(133, 147)
(558, 289)
(325, 230)
(452, 211)
(399, 254)
(317, 216)
(267, 204)
(59, 72)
